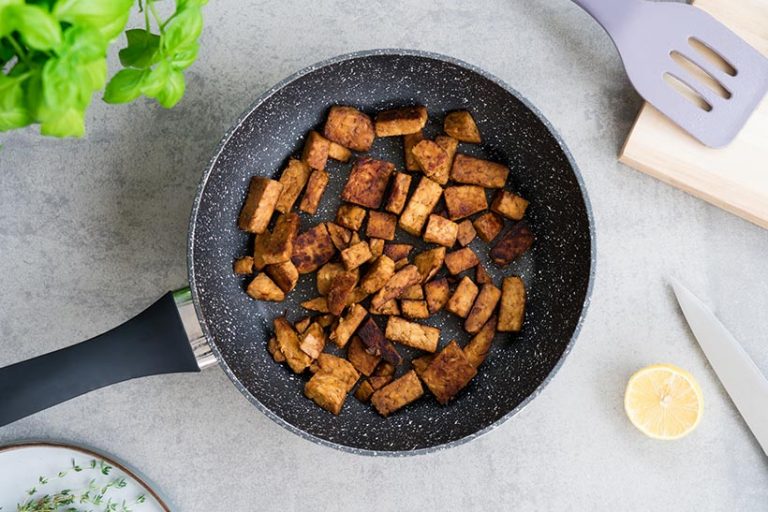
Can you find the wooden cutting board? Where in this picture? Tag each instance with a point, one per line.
(734, 178)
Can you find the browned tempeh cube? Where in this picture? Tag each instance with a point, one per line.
(464, 200)
(279, 248)
(429, 262)
(381, 225)
(339, 292)
(302, 324)
(316, 185)
(413, 292)
(326, 274)
(315, 151)
(382, 269)
(348, 325)
(412, 334)
(512, 244)
(349, 127)
(367, 182)
(376, 344)
(409, 141)
(397, 251)
(401, 121)
(312, 249)
(363, 362)
(419, 207)
(509, 205)
(397, 394)
(274, 349)
(350, 216)
(293, 179)
(357, 296)
(319, 304)
(364, 391)
(243, 266)
(483, 308)
(419, 364)
(441, 231)
(259, 205)
(482, 276)
(448, 373)
(461, 260)
(512, 307)
(377, 247)
(461, 126)
(474, 171)
(437, 293)
(329, 386)
(355, 255)
(263, 288)
(393, 288)
(326, 320)
(414, 309)
(478, 347)
(398, 194)
(488, 226)
(284, 275)
(449, 145)
(339, 236)
(433, 160)
(462, 299)
(382, 375)
(388, 308)
(260, 246)
(312, 340)
(288, 342)
(338, 152)
(401, 263)
(466, 232)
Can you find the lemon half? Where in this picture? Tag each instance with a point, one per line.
(663, 401)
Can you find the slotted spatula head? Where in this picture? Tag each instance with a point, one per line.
(687, 64)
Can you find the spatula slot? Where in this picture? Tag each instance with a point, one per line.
(711, 55)
(703, 76)
(687, 92)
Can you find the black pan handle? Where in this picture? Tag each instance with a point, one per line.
(153, 342)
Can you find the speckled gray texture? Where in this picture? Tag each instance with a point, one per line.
(557, 270)
(92, 231)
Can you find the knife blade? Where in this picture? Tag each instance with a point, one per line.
(741, 378)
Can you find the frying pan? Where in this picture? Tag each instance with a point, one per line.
(227, 326)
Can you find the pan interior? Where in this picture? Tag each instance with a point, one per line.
(557, 270)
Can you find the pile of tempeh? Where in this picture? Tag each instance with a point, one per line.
(372, 275)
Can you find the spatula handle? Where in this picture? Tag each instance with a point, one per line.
(610, 14)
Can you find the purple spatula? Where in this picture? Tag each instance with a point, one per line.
(719, 78)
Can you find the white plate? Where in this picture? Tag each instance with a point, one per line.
(21, 467)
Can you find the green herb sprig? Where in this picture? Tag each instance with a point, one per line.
(53, 58)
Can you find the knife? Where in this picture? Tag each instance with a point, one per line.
(741, 378)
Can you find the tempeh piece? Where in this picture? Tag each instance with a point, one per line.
(488, 226)
(378, 274)
(315, 151)
(259, 204)
(363, 362)
(388, 309)
(319, 304)
(397, 251)
(316, 185)
(414, 309)
(461, 260)
(348, 325)
(243, 266)
(401, 280)
(512, 244)
(293, 179)
(356, 255)
(325, 276)
(263, 288)
(274, 349)
(398, 194)
(350, 216)
(466, 233)
(419, 207)
(441, 231)
(312, 249)
(376, 344)
(288, 342)
(339, 236)
(448, 373)
(338, 152)
(449, 145)
(339, 292)
(433, 160)
(367, 182)
(437, 293)
(512, 308)
(349, 127)
(412, 334)
(509, 205)
(429, 262)
(462, 299)
(397, 394)
(401, 121)
(381, 225)
(413, 292)
(461, 125)
(312, 340)
(302, 324)
(483, 308)
(331, 383)
(409, 141)
(478, 347)
(464, 200)
(474, 171)
(279, 248)
(377, 247)
(482, 276)
(284, 275)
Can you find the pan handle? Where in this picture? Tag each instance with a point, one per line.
(161, 339)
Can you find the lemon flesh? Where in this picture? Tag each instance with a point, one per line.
(663, 401)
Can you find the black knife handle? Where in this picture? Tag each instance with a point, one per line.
(151, 343)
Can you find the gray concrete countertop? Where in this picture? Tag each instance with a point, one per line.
(93, 230)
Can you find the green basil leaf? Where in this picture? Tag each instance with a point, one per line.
(59, 84)
(182, 29)
(83, 45)
(142, 49)
(13, 111)
(7, 51)
(92, 77)
(109, 16)
(69, 122)
(184, 57)
(37, 27)
(125, 86)
(173, 90)
(183, 4)
(155, 80)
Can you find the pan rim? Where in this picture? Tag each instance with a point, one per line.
(212, 162)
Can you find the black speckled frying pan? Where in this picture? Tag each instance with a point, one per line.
(558, 269)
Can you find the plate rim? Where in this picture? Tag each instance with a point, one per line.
(264, 97)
